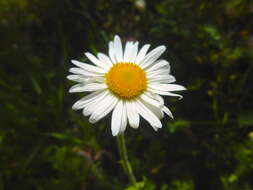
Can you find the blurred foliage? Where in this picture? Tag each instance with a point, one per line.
(46, 145)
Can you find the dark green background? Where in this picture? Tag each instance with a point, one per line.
(44, 145)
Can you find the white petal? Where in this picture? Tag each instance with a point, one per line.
(112, 53)
(82, 72)
(163, 71)
(90, 107)
(154, 109)
(158, 98)
(132, 114)
(134, 52)
(130, 53)
(150, 100)
(86, 79)
(76, 88)
(103, 108)
(97, 79)
(77, 78)
(175, 87)
(88, 67)
(148, 115)
(127, 52)
(124, 118)
(88, 99)
(87, 87)
(165, 93)
(88, 110)
(116, 118)
(167, 87)
(155, 96)
(167, 111)
(105, 59)
(142, 53)
(118, 48)
(152, 56)
(96, 61)
(159, 64)
(161, 79)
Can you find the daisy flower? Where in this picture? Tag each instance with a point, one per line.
(127, 82)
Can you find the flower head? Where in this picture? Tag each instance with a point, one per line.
(127, 82)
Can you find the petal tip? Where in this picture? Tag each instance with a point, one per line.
(92, 121)
(114, 134)
(74, 107)
(71, 90)
(184, 88)
(116, 36)
(73, 61)
(162, 47)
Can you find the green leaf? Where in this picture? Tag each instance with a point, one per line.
(245, 119)
(66, 137)
(178, 124)
(142, 185)
(213, 32)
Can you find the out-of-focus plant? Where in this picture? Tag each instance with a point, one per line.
(45, 145)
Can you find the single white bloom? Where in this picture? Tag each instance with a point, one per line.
(127, 82)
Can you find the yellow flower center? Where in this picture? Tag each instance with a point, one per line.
(126, 80)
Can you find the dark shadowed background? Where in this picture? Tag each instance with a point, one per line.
(45, 145)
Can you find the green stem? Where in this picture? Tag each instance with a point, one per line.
(124, 159)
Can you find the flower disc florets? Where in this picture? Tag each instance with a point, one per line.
(126, 80)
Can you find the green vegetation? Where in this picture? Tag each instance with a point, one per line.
(45, 145)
